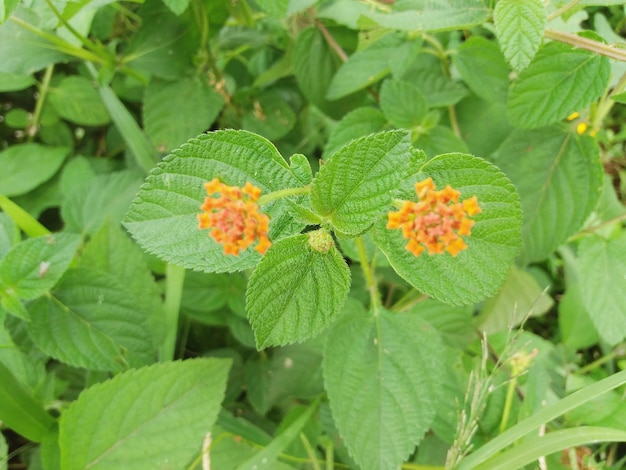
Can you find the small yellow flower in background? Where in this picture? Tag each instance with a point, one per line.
(437, 221)
(573, 116)
(234, 217)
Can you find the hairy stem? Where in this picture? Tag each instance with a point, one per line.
(587, 44)
(368, 273)
(175, 277)
(281, 193)
(31, 131)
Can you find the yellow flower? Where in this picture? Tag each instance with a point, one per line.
(436, 221)
(234, 218)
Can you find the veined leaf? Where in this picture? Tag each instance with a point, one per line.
(558, 176)
(519, 26)
(297, 289)
(602, 285)
(126, 422)
(357, 123)
(355, 186)
(163, 216)
(561, 79)
(78, 101)
(382, 376)
(91, 320)
(402, 104)
(478, 271)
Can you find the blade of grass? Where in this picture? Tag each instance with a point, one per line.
(546, 415)
(532, 449)
(26, 222)
(135, 138)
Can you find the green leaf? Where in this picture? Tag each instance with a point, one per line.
(163, 216)
(438, 89)
(483, 68)
(91, 320)
(440, 139)
(4, 453)
(126, 422)
(355, 124)
(382, 377)
(15, 82)
(426, 15)
(76, 100)
(354, 188)
(478, 271)
(402, 104)
(177, 7)
(26, 166)
(6, 8)
(297, 289)
(365, 67)
(484, 125)
(519, 27)
(519, 298)
(269, 116)
(106, 197)
(31, 268)
(19, 411)
(196, 103)
(602, 265)
(9, 234)
(558, 176)
(561, 79)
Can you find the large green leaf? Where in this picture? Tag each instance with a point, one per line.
(9, 234)
(602, 265)
(365, 67)
(269, 115)
(382, 375)
(127, 422)
(77, 100)
(6, 8)
(91, 320)
(561, 79)
(163, 216)
(355, 124)
(483, 68)
(34, 266)
(426, 15)
(196, 103)
(355, 186)
(519, 26)
(26, 166)
(402, 103)
(297, 289)
(558, 176)
(478, 271)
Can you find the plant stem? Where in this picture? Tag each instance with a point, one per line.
(331, 41)
(589, 230)
(26, 222)
(563, 9)
(368, 273)
(587, 44)
(411, 298)
(31, 131)
(175, 277)
(619, 351)
(508, 403)
(282, 193)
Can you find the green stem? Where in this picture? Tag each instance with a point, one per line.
(508, 403)
(607, 103)
(563, 9)
(587, 44)
(330, 456)
(618, 352)
(26, 222)
(175, 277)
(282, 193)
(310, 452)
(368, 273)
(411, 298)
(454, 122)
(589, 230)
(31, 131)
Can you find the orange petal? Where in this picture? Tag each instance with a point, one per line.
(456, 246)
(471, 206)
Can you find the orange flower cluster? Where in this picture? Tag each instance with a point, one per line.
(234, 218)
(437, 221)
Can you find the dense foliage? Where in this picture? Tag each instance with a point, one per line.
(287, 234)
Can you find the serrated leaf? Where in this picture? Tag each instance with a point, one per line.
(34, 266)
(561, 79)
(478, 271)
(426, 15)
(107, 197)
(483, 68)
(402, 104)
(296, 291)
(269, 116)
(177, 7)
(355, 186)
(382, 375)
(163, 216)
(9, 234)
(196, 103)
(558, 176)
(26, 166)
(601, 268)
(91, 320)
(364, 67)
(440, 139)
(519, 27)
(438, 89)
(357, 123)
(520, 297)
(77, 100)
(126, 422)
